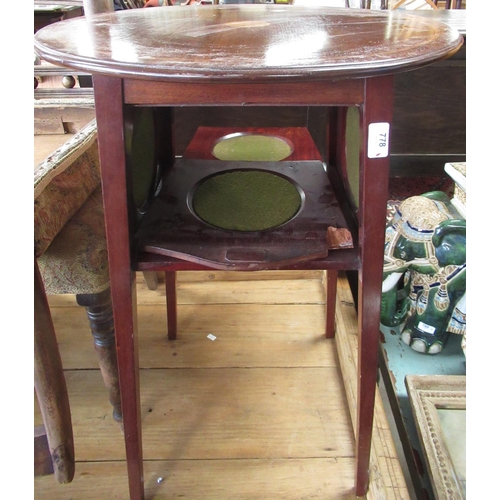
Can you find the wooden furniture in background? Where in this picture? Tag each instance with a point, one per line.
(429, 127)
(52, 11)
(59, 110)
(210, 63)
(64, 99)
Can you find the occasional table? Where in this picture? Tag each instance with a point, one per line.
(147, 62)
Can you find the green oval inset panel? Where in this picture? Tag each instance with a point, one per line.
(246, 200)
(140, 142)
(352, 152)
(252, 147)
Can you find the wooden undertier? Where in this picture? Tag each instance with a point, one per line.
(261, 412)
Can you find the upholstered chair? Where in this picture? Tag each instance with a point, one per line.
(71, 257)
(70, 242)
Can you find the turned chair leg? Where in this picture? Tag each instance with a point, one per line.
(331, 299)
(171, 294)
(100, 314)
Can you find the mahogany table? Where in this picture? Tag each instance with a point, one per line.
(147, 62)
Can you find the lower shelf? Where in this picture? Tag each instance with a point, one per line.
(341, 260)
(171, 228)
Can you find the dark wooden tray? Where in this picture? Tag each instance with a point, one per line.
(172, 229)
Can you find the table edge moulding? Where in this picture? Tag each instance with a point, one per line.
(145, 62)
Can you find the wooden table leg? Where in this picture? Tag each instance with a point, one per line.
(108, 94)
(374, 173)
(151, 278)
(171, 294)
(331, 298)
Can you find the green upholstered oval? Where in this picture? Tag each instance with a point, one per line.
(246, 200)
(141, 151)
(251, 147)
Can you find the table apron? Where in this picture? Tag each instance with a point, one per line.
(309, 93)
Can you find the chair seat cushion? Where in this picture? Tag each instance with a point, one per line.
(76, 261)
(62, 184)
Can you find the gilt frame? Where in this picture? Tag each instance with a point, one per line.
(428, 394)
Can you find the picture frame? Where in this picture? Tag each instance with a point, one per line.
(438, 404)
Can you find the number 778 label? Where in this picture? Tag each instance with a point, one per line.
(378, 140)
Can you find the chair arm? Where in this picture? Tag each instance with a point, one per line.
(62, 184)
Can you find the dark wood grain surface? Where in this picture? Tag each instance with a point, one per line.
(250, 42)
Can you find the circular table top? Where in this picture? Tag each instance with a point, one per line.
(246, 42)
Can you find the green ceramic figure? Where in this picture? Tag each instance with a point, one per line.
(424, 288)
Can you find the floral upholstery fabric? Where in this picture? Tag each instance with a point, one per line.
(70, 239)
(62, 184)
(76, 261)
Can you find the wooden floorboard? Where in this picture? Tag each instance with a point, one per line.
(260, 412)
